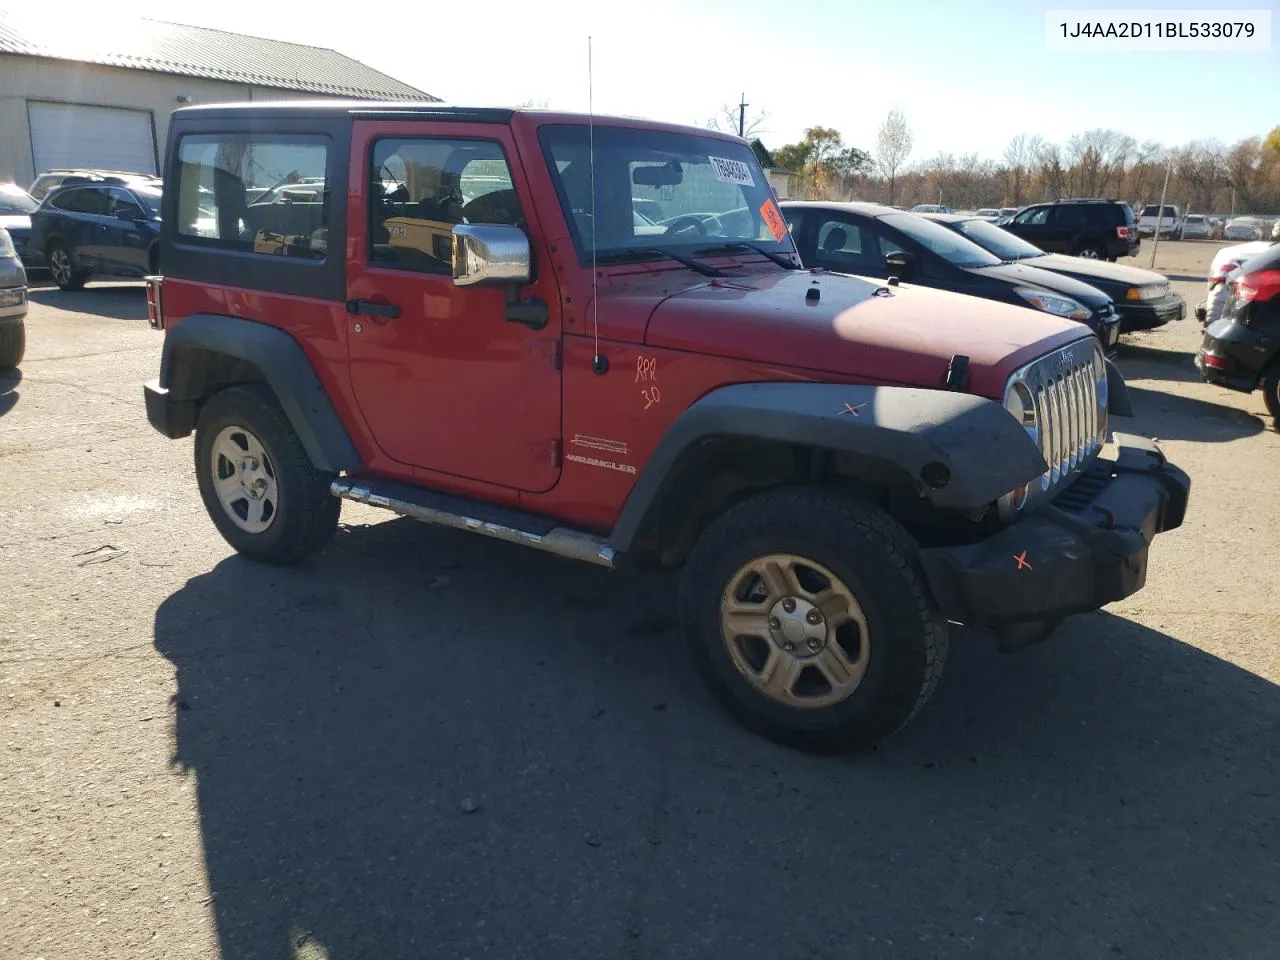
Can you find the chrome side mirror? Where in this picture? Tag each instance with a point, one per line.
(490, 254)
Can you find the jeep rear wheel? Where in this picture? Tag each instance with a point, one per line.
(62, 268)
(808, 617)
(258, 485)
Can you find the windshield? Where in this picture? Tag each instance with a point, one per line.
(946, 243)
(1002, 243)
(150, 198)
(657, 190)
(1153, 210)
(14, 201)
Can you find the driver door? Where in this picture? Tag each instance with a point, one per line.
(443, 379)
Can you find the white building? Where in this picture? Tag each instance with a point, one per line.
(103, 100)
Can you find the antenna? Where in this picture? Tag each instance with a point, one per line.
(598, 363)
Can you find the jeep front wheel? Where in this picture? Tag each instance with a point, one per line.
(258, 485)
(808, 617)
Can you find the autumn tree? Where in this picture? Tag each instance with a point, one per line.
(893, 147)
(1020, 158)
(821, 164)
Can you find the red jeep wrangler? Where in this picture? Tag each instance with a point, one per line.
(596, 339)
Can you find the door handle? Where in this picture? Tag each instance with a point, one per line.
(377, 312)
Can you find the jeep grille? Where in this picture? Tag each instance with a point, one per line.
(1068, 389)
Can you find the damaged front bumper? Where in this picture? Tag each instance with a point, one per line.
(1085, 549)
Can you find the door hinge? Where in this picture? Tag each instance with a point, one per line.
(557, 358)
(557, 454)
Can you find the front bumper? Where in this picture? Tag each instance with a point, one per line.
(173, 418)
(1233, 355)
(1145, 314)
(1085, 549)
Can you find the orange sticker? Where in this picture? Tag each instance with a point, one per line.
(773, 219)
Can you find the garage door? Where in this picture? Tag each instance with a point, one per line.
(77, 135)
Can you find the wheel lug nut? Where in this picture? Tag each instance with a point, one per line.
(789, 647)
(813, 617)
(789, 605)
(774, 623)
(814, 644)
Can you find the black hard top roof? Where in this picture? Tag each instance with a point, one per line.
(425, 110)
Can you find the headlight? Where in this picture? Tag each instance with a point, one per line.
(1021, 406)
(1153, 292)
(6, 244)
(1056, 304)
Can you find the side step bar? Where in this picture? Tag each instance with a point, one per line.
(490, 521)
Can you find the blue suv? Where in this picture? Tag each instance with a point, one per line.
(107, 229)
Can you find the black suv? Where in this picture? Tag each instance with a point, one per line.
(1082, 227)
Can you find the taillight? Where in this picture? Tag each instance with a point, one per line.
(155, 314)
(1256, 287)
(1223, 272)
(1122, 233)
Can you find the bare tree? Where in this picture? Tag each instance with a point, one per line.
(1020, 155)
(726, 121)
(893, 146)
(1053, 176)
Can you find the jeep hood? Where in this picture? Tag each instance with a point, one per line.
(857, 329)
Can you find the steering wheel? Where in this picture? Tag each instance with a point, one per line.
(680, 224)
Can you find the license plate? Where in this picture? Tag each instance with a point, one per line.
(12, 297)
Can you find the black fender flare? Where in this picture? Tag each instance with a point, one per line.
(982, 451)
(1118, 402)
(281, 361)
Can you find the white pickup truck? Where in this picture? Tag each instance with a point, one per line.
(1170, 221)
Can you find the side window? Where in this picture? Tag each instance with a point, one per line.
(86, 200)
(1068, 217)
(1032, 217)
(121, 201)
(233, 192)
(421, 187)
(794, 219)
(846, 247)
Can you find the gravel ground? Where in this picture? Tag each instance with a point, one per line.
(430, 745)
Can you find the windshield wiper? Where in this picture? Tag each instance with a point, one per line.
(689, 262)
(777, 258)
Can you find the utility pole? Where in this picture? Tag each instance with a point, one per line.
(742, 114)
(1155, 237)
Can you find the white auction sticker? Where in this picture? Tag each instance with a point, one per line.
(732, 171)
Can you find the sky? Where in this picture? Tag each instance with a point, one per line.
(968, 75)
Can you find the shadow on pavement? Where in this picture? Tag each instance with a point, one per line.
(116, 301)
(9, 380)
(1110, 793)
(1169, 416)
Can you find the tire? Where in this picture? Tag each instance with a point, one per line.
(13, 344)
(1271, 392)
(890, 642)
(62, 267)
(278, 508)
(1090, 251)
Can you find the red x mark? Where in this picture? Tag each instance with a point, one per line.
(1021, 559)
(851, 409)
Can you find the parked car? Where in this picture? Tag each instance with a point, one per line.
(98, 229)
(1196, 226)
(931, 208)
(1215, 227)
(1008, 212)
(840, 468)
(1243, 228)
(1169, 219)
(987, 213)
(868, 240)
(1241, 349)
(1094, 229)
(13, 304)
(16, 207)
(1143, 298)
(1221, 270)
(50, 180)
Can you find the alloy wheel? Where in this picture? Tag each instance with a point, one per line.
(60, 265)
(795, 631)
(244, 479)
